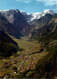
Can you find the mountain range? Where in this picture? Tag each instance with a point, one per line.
(20, 23)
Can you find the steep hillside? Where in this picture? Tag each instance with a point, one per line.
(47, 66)
(38, 23)
(7, 45)
(49, 28)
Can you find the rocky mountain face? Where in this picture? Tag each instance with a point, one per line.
(8, 27)
(15, 18)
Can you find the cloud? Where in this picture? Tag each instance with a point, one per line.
(24, 1)
(48, 2)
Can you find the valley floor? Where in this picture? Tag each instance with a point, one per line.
(23, 60)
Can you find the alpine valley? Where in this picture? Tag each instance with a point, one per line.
(28, 44)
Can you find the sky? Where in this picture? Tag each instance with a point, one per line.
(29, 6)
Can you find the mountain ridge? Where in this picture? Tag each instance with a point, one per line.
(38, 15)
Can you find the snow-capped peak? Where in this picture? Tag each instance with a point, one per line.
(48, 12)
(23, 12)
(16, 10)
(39, 15)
